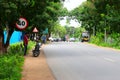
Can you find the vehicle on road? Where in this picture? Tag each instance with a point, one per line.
(85, 36)
(51, 39)
(72, 39)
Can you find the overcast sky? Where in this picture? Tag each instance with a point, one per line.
(71, 4)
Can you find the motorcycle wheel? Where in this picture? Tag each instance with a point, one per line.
(36, 54)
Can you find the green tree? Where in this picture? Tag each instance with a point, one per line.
(39, 13)
(8, 17)
(90, 14)
(86, 14)
(78, 32)
(58, 30)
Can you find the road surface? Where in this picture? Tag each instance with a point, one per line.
(80, 61)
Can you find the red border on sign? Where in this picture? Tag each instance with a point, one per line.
(24, 27)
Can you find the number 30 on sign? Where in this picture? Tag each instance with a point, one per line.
(22, 24)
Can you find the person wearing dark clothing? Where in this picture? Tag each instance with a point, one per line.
(25, 43)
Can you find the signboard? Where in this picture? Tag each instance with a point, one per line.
(22, 24)
(35, 30)
(45, 31)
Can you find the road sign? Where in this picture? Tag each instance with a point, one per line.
(45, 31)
(22, 23)
(35, 30)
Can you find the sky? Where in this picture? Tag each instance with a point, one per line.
(70, 5)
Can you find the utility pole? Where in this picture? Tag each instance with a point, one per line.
(105, 33)
(94, 31)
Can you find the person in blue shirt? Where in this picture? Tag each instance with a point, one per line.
(43, 38)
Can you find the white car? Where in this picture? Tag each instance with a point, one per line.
(51, 39)
(72, 39)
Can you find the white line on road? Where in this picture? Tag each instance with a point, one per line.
(108, 59)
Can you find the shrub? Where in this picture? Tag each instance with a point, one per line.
(12, 62)
(10, 68)
(113, 40)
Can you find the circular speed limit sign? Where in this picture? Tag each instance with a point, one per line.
(22, 23)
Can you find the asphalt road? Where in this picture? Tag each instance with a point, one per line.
(80, 61)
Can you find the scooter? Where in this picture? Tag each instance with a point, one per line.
(36, 51)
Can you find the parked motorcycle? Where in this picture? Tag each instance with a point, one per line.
(36, 51)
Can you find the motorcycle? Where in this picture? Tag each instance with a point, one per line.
(36, 51)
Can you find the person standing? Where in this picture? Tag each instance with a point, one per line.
(43, 39)
(25, 43)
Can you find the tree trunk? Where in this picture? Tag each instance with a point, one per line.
(5, 45)
(1, 38)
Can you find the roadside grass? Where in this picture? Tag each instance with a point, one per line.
(11, 63)
(100, 42)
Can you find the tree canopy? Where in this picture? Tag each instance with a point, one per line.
(99, 14)
(39, 13)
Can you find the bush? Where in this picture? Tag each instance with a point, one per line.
(113, 40)
(10, 68)
(16, 49)
(12, 62)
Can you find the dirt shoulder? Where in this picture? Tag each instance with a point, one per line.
(36, 68)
